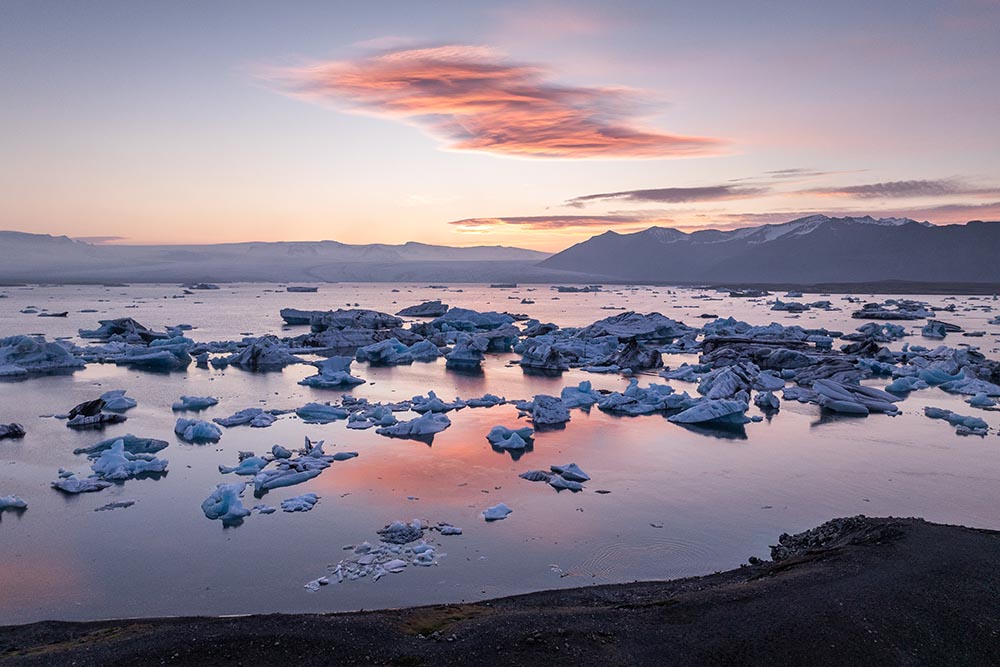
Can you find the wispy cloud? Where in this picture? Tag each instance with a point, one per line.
(100, 240)
(903, 189)
(476, 100)
(674, 195)
(553, 222)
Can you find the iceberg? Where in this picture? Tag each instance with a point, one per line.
(248, 466)
(496, 512)
(12, 503)
(320, 413)
(260, 354)
(302, 503)
(22, 355)
(425, 425)
(12, 431)
(255, 417)
(571, 471)
(425, 309)
(507, 438)
(194, 403)
(132, 445)
(389, 352)
(224, 504)
(767, 401)
(117, 401)
(713, 411)
(548, 411)
(72, 484)
(467, 355)
(334, 373)
(196, 431)
(963, 425)
(431, 403)
(116, 463)
(486, 401)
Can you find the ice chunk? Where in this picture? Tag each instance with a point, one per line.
(486, 401)
(260, 354)
(12, 503)
(133, 445)
(496, 512)
(250, 465)
(21, 355)
(389, 352)
(115, 463)
(431, 403)
(320, 413)
(548, 410)
(571, 471)
(194, 403)
(506, 438)
(73, 484)
(255, 417)
(193, 430)
(721, 411)
(334, 373)
(767, 401)
(427, 424)
(224, 504)
(302, 503)
(11, 430)
(426, 309)
(981, 400)
(963, 425)
(580, 396)
(117, 401)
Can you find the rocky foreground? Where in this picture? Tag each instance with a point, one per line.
(859, 591)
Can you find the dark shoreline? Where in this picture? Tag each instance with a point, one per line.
(856, 591)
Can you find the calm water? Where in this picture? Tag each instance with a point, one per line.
(718, 499)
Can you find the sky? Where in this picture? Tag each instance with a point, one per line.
(535, 124)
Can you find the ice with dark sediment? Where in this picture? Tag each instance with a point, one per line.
(334, 373)
(425, 309)
(197, 431)
(117, 401)
(123, 329)
(651, 326)
(13, 431)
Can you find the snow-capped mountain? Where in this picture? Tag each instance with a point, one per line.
(817, 248)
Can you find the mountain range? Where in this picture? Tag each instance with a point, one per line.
(806, 251)
(810, 250)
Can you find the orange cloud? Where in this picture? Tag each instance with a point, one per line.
(476, 101)
(552, 222)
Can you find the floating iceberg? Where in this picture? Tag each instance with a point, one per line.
(548, 411)
(426, 425)
(117, 401)
(571, 471)
(507, 438)
(320, 413)
(73, 484)
(21, 355)
(255, 417)
(496, 512)
(116, 463)
(250, 465)
(12, 503)
(12, 431)
(302, 503)
(194, 403)
(194, 430)
(260, 354)
(721, 411)
(431, 403)
(389, 352)
(131, 443)
(224, 504)
(334, 373)
(426, 309)
(963, 425)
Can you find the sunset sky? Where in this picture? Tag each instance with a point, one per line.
(535, 124)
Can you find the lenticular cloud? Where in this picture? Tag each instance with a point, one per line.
(475, 100)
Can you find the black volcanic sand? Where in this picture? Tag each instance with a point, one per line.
(852, 592)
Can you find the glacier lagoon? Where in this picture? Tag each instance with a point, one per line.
(682, 500)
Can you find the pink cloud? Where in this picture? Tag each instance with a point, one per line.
(475, 100)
